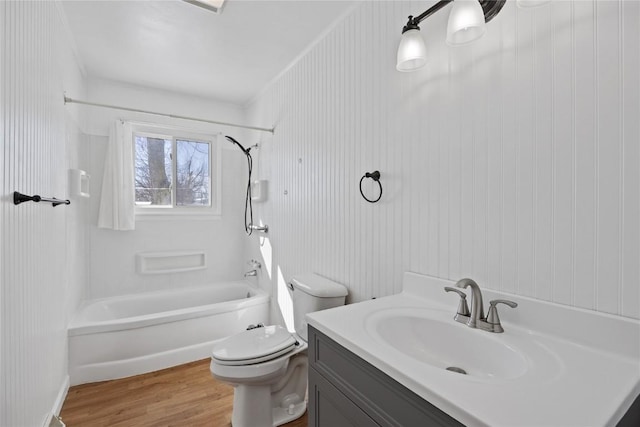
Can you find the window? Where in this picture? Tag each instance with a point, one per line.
(175, 173)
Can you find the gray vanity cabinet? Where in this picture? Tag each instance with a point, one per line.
(345, 390)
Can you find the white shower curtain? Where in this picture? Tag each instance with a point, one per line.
(117, 200)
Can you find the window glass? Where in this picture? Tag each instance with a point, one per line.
(192, 171)
(153, 173)
(176, 173)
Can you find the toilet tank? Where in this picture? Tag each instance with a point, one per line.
(309, 293)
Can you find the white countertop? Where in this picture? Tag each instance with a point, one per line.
(583, 367)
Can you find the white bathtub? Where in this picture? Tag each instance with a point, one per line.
(134, 334)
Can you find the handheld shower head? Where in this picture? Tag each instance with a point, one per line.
(244, 150)
(248, 206)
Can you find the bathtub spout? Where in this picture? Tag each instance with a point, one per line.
(251, 273)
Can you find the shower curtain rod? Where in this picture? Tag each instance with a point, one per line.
(173, 116)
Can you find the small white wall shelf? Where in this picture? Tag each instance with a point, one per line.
(259, 190)
(170, 262)
(79, 182)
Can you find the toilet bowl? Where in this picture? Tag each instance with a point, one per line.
(267, 366)
(268, 369)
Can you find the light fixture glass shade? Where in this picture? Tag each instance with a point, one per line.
(412, 53)
(531, 3)
(466, 22)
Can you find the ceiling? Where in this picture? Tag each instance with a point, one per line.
(176, 46)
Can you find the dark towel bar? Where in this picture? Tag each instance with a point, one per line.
(20, 198)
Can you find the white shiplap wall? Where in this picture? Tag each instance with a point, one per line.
(513, 160)
(39, 137)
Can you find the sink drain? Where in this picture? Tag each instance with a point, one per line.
(456, 369)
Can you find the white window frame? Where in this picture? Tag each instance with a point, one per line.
(214, 211)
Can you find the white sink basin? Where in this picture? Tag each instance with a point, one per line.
(426, 337)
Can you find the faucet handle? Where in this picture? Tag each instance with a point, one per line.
(492, 317)
(254, 263)
(463, 308)
(504, 301)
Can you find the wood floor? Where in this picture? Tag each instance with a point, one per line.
(184, 395)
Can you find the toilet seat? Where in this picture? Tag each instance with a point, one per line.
(254, 346)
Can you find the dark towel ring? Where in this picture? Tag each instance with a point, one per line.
(376, 177)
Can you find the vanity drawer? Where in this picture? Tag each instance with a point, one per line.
(382, 398)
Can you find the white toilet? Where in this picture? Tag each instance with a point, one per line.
(267, 366)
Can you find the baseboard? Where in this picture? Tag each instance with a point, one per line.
(57, 404)
(62, 395)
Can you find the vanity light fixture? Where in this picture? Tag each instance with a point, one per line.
(214, 6)
(467, 23)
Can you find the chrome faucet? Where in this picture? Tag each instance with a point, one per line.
(475, 318)
(477, 310)
(255, 265)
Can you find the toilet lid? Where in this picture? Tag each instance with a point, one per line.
(254, 346)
